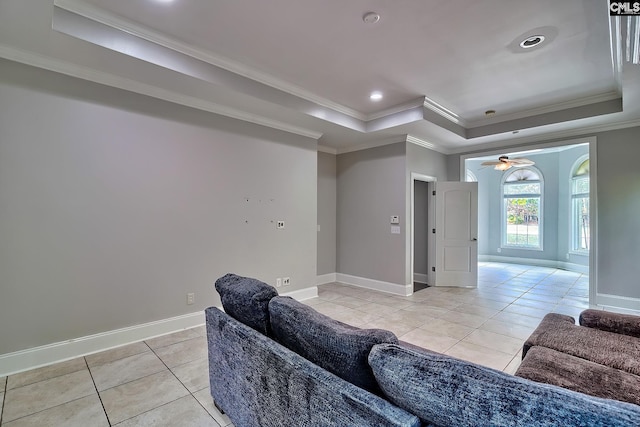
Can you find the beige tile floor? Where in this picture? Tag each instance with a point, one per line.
(164, 381)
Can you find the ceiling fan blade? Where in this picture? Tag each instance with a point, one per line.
(490, 163)
(521, 162)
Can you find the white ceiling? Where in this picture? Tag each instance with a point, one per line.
(309, 66)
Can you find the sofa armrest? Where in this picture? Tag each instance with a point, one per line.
(548, 325)
(625, 324)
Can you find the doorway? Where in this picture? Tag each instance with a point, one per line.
(557, 166)
(420, 232)
(422, 220)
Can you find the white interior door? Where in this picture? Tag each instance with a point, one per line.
(456, 234)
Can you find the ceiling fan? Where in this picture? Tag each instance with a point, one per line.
(504, 162)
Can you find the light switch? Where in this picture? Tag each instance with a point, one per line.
(395, 229)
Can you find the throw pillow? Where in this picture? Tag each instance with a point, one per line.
(337, 347)
(246, 300)
(446, 391)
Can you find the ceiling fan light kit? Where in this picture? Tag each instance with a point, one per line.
(504, 163)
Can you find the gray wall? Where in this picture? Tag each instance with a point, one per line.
(113, 206)
(372, 187)
(327, 213)
(618, 206)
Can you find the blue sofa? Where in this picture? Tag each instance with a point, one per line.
(276, 362)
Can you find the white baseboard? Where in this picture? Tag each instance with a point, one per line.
(584, 269)
(618, 303)
(36, 357)
(420, 278)
(302, 294)
(31, 358)
(376, 285)
(326, 278)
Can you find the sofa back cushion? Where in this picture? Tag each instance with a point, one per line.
(450, 392)
(560, 333)
(246, 300)
(337, 347)
(258, 382)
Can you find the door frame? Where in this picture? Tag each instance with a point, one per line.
(430, 242)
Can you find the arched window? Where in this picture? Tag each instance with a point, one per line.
(522, 220)
(471, 177)
(581, 232)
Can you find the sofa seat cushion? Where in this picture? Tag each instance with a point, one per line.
(337, 347)
(559, 332)
(553, 367)
(446, 391)
(246, 300)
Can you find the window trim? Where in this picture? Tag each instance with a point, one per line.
(572, 232)
(503, 222)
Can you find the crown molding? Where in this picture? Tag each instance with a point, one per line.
(552, 108)
(426, 144)
(418, 102)
(327, 149)
(546, 137)
(444, 112)
(85, 73)
(94, 13)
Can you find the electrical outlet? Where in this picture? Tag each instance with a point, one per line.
(191, 297)
(278, 282)
(280, 224)
(286, 281)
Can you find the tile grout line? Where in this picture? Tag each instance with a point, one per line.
(46, 409)
(181, 383)
(4, 399)
(513, 299)
(97, 392)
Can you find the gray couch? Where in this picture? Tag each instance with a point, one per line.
(599, 357)
(276, 362)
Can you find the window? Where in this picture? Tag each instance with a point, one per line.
(471, 177)
(522, 192)
(581, 232)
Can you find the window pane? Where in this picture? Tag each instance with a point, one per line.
(523, 221)
(522, 188)
(581, 185)
(581, 230)
(583, 169)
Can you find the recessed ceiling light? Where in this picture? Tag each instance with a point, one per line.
(371, 18)
(490, 113)
(532, 41)
(375, 96)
